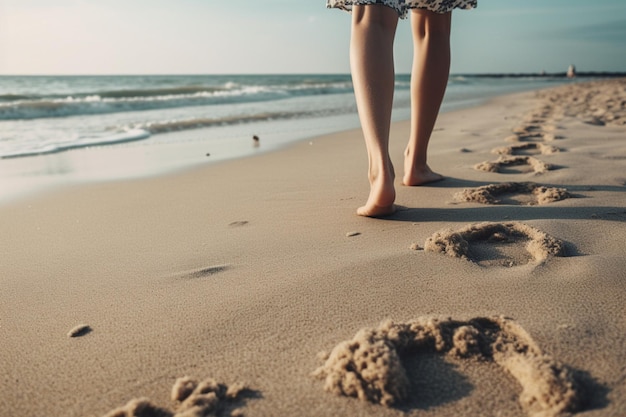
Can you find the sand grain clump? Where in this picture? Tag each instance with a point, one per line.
(192, 399)
(139, 407)
(370, 366)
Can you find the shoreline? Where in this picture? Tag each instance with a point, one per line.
(245, 271)
(172, 152)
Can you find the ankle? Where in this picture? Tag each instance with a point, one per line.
(384, 173)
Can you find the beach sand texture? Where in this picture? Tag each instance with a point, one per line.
(252, 288)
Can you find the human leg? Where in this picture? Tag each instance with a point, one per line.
(429, 78)
(371, 62)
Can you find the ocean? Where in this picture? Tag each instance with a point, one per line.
(57, 130)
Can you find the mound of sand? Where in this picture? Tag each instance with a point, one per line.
(192, 399)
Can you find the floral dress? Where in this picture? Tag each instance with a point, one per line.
(402, 6)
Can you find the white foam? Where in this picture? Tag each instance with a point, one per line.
(48, 148)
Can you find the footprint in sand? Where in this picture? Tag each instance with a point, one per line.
(202, 272)
(533, 133)
(80, 330)
(543, 111)
(533, 137)
(192, 399)
(496, 244)
(515, 165)
(549, 137)
(238, 223)
(528, 148)
(525, 137)
(372, 366)
(527, 128)
(513, 193)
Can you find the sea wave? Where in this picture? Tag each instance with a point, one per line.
(20, 107)
(84, 142)
(38, 114)
(133, 132)
(196, 123)
(161, 92)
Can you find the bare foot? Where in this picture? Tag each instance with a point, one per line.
(375, 211)
(381, 198)
(413, 177)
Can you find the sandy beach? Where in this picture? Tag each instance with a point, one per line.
(496, 292)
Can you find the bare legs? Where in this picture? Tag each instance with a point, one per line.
(429, 78)
(371, 59)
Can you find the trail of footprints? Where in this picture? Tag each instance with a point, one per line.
(510, 244)
(370, 367)
(529, 140)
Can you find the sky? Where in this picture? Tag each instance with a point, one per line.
(293, 36)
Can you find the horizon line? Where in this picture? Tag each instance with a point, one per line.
(473, 74)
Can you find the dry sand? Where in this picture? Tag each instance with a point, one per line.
(246, 272)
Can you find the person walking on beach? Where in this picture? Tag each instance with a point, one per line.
(374, 25)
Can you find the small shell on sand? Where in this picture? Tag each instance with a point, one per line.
(351, 234)
(80, 330)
